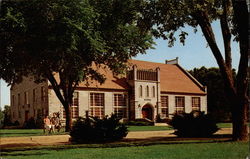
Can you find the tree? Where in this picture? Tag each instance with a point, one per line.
(166, 17)
(7, 119)
(48, 38)
(216, 96)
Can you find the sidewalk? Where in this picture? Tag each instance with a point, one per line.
(64, 139)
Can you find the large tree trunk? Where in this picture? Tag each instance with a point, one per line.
(236, 94)
(240, 118)
(68, 118)
(65, 99)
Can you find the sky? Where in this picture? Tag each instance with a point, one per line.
(194, 54)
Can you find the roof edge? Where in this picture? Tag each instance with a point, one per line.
(203, 88)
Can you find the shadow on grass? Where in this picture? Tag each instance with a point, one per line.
(23, 154)
(123, 143)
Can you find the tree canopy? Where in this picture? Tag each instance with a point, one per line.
(217, 104)
(45, 37)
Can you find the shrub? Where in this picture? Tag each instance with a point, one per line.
(194, 124)
(39, 119)
(141, 122)
(94, 130)
(30, 124)
(16, 123)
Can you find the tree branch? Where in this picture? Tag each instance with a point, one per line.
(56, 87)
(203, 21)
(226, 33)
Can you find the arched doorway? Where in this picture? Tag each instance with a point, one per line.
(147, 112)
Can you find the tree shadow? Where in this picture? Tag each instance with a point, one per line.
(124, 143)
(23, 154)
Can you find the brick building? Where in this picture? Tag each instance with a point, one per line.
(148, 89)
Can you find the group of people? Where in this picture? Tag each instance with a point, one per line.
(52, 123)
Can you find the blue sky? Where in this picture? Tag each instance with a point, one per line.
(195, 53)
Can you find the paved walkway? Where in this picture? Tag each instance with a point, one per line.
(64, 139)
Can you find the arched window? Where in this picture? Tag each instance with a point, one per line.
(147, 91)
(153, 91)
(140, 91)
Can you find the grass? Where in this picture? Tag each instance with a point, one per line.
(24, 132)
(224, 125)
(148, 128)
(38, 132)
(181, 150)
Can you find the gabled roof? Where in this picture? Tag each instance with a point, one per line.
(173, 79)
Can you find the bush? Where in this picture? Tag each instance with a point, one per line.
(194, 124)
(94, 130)
(140, 122)
(30, 124)
(39, 120)
(16, 123)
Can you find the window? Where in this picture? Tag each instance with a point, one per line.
(153, 91)
(180, 104)
(42, 94)
(164, 106)
(26, 97)
(34, 95)
(147, 91)
(140, 91)
(13, 100)
(74, 106)
(196, 103)
(19, 99)
(97, 104)
(19, 114)
(120, 106)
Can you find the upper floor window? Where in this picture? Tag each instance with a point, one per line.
(13, 100)
(19, 99)
(153, 91)
(120, 106)
(180, 104)
(42, 94)
(26, 97)
(196, 103)
(147, 91)
(97, 104)
(140, 91)
(34, 95)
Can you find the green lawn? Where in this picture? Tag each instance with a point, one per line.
(24, 132)
(224, 125)
(148, 128)
(37, 132)
(191, 150)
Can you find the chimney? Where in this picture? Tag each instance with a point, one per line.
(174, 61)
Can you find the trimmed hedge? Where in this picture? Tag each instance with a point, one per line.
(194, 124)
(94, 130)
(140, 122)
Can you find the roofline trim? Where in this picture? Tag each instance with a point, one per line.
(182, 93)
(203, 88)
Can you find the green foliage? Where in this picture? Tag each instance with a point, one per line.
(1, 118)
(92, 130)
(39, 119)
(30, 124)
(47, 37)
(218, 105)
(194, 124)
(7, 116)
